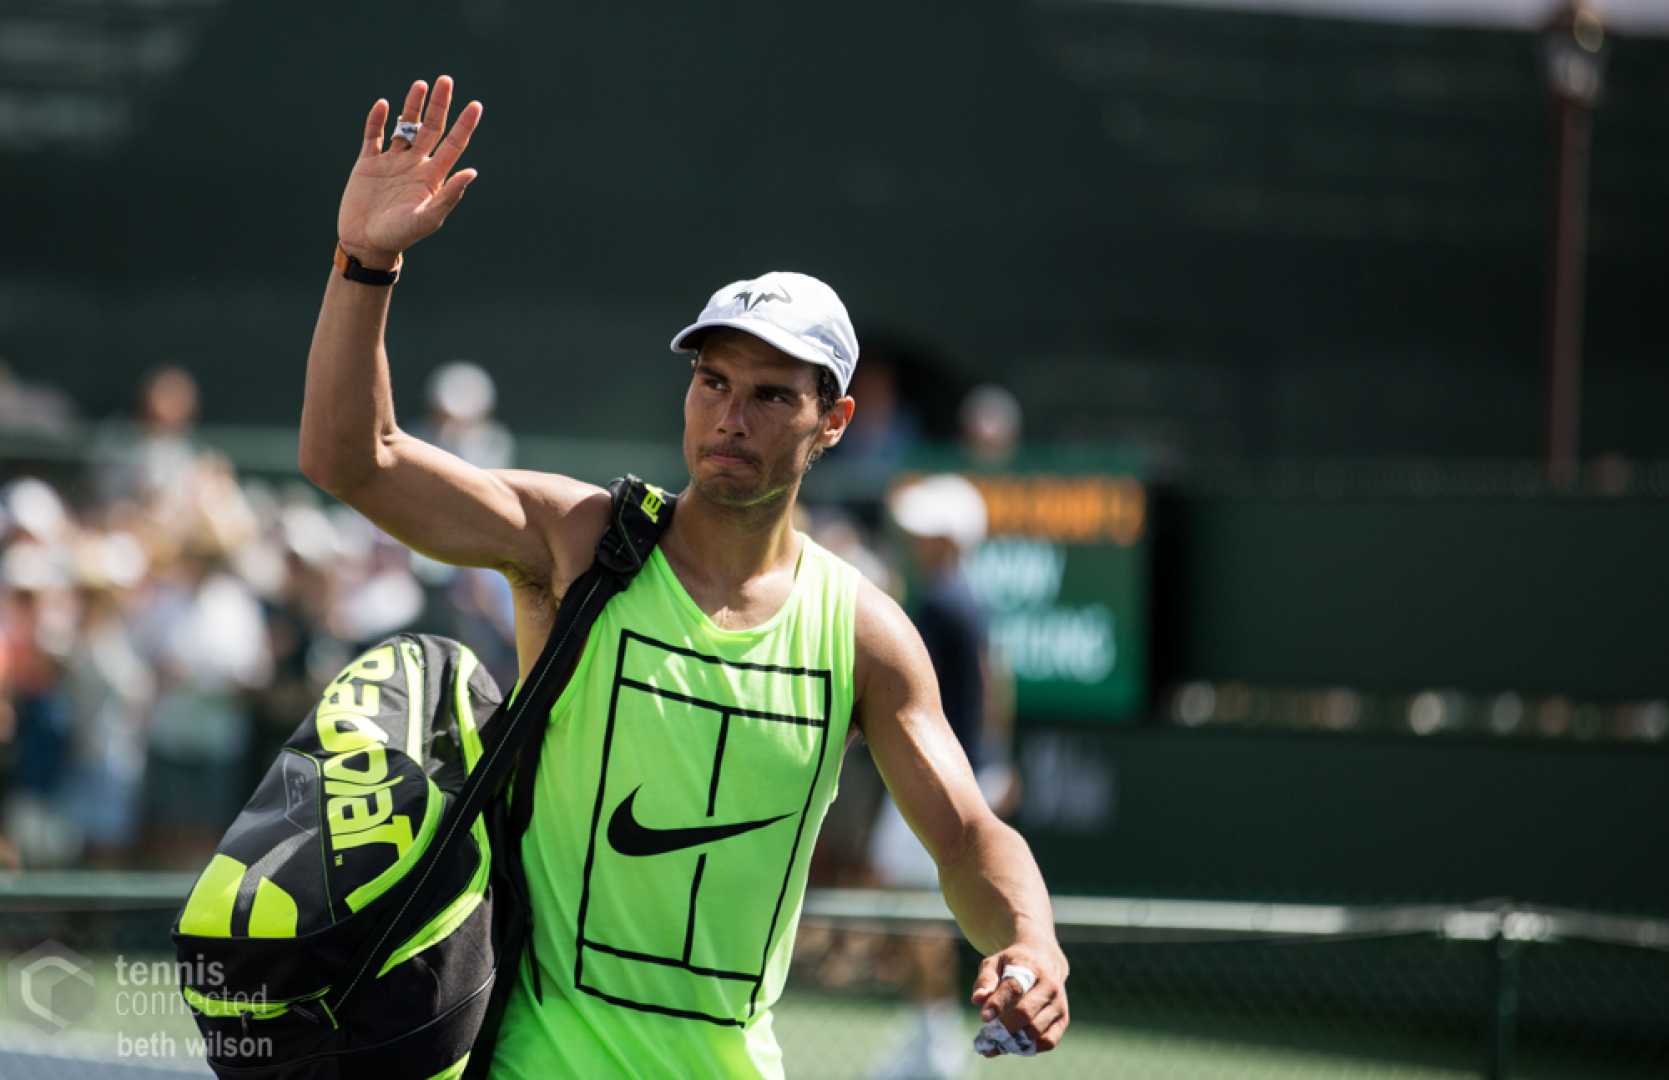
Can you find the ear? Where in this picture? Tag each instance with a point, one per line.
(835, 422)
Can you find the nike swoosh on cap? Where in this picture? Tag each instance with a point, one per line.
(627, 836)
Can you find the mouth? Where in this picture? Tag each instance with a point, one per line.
(728, 459)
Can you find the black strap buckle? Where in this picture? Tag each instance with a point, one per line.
(638, 510)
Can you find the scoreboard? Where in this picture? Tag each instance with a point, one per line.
(1063, 576)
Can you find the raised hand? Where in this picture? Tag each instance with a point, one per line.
(399, 194)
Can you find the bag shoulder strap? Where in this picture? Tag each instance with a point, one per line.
(640, 513)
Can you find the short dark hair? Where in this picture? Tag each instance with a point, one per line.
(828, 390)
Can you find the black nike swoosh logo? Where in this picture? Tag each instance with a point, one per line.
(628, 837)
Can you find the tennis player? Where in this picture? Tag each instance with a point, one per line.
(687, 767)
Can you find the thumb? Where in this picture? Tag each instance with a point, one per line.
(453, 190)
(433, 213)
(986, 981)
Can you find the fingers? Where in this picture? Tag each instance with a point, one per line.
(447, 153)
(1001, 1000)
(375, 121)
(434, 117)
(1034, 1017)
(446, 199)
(411, 110)
(453, 191)
(1051, 1036)
(986, 981)
(1024, 1008)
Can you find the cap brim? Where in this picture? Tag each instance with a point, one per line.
(770, 333)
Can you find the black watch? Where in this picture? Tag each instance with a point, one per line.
(354, 270)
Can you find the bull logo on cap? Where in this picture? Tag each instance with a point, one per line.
(751, 298)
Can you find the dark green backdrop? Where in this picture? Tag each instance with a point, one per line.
(1218, 231)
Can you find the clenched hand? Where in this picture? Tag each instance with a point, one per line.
(398, 195)
(1040, 1012)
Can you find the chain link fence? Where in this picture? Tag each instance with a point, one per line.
(1159, 989)
(1203, 989)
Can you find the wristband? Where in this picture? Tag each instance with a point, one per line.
(354, 270)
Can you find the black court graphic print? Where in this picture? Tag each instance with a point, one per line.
(708, 771)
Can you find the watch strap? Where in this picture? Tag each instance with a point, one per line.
(354, 270)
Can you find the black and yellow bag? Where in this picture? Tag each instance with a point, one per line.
(353, 918)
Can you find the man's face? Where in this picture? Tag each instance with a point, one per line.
(751, 420)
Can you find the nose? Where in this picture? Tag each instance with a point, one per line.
(733, 420)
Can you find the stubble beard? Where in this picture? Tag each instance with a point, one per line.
(736, 494)
(763, 492)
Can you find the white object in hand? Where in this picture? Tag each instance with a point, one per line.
(1025, 976)
(993, 1036)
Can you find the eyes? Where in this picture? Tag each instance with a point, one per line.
(773, 394)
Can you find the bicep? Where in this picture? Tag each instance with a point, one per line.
(442, 506)
(918, 755)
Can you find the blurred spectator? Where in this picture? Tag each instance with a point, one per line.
(297, 611)
(109, 690)
(884, 429)
(162, 638)
(157, 456)
(461, 402)
(481, 612)
(29, 409)
(475, 605)
(380, 596)
(201, 628)
(990, 425)
(943, 517)
(36, 632)
(34, 512)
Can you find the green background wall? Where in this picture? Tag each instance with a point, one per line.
(1219, 232)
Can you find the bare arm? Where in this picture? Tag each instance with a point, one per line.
(351, 445)
(986, 870)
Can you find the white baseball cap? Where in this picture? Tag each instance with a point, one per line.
(794, 312)
(945, 505)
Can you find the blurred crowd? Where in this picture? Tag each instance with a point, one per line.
(166, 622)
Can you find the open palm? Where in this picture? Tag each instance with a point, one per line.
(398, 195)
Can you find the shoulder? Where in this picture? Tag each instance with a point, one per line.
(881, 626)
(876, 616)
(569, 514)
(890, 658)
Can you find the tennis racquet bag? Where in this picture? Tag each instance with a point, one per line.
(354, 919)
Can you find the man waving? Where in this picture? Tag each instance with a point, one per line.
(688, 766)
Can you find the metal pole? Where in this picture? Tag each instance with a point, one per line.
(1564, 332)
(1574, 51)
(1503, 1016)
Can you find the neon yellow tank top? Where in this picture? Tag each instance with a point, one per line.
(683, 779)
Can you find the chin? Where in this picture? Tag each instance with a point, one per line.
(723, 488)
(739, 492)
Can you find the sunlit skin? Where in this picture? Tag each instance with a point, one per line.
(751, 425)
(751, 422)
